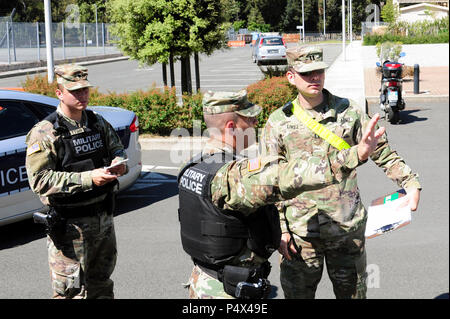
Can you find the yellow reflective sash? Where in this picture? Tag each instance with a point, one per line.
(318, 128)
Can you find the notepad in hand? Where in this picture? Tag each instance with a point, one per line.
(387, 213)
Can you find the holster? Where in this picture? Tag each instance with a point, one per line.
(246, 283)
(53, 222)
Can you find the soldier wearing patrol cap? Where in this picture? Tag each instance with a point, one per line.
(326, 224)
(228, 225)
(65, 161)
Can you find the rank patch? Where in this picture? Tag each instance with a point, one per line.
(33, 148)
(254, 164)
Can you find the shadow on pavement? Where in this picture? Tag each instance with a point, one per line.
(20, 233)
(151, 187)
(406, 117)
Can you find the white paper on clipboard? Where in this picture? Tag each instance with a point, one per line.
(387, 217)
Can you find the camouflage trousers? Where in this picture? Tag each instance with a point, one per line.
(82, 257)
(203, 286)
(345, 259)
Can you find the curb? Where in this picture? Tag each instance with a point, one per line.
(184, 144)
(41, 66)
(409, 98)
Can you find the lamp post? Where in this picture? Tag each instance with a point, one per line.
(324, 21)
(48, 40)
(303, 21)
(343, 29)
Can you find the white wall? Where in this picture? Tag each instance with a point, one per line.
(419, 14)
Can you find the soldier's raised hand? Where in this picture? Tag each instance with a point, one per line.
(370, 138)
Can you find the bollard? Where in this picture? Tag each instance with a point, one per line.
(416, 79)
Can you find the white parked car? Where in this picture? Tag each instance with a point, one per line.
(19, 111)
(269, 49)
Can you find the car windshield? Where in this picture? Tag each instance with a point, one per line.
(272, 41)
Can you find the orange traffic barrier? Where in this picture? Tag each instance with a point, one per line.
(13, 89)
(291, 37)
(236, 43)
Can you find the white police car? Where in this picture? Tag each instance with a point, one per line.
(19, 111)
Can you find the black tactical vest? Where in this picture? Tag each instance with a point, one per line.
(79, 149)
(212, 236)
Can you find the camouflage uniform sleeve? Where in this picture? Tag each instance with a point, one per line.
(41, 162)
(392, 164)
(270, 146)
(245, 185)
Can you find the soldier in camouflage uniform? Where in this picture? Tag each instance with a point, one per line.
(329, 223)
(243, 185)
(73, 182)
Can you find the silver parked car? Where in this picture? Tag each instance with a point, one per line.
(19, 111)
(269, 49)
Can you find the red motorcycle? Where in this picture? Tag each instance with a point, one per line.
(391, 100)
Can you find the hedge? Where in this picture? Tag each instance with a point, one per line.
(427, 31)
(158, 110)
(423, 39)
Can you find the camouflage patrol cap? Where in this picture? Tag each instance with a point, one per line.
(306, 58)
(72, 76)
(224, 102)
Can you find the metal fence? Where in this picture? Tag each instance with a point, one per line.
(25, 42)
(309, 36)
(368, 27)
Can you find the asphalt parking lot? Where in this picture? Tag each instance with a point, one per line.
(410, 263)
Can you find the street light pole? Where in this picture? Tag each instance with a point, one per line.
(343, 29)
(48, 40)
(351, 21)
(303, 21)
(324, 21)
(96, 25)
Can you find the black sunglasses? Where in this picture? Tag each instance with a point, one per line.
(321, 71)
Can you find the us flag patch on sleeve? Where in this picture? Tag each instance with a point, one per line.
(254, 164)
(33, 148)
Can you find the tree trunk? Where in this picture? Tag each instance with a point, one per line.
(172, 71)
(186, 82)
(197, 72)
(164, 73)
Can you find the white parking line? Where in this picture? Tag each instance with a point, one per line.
(148, 168)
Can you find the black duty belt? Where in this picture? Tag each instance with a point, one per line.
(82, 211)
(241, 282)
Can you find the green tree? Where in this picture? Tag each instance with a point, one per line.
(153, 31)
(389, 12)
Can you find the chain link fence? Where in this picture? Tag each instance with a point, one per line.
(26, 42)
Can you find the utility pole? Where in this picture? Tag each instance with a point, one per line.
(48, 40)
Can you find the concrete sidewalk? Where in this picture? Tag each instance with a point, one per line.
(345, 77)
(356, 76)
(433, 61)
